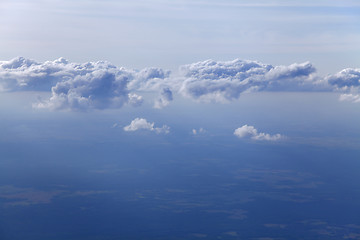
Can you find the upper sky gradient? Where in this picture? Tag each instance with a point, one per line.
(164, 33)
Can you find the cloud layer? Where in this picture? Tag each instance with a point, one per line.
(101, 85)
(143, 124)
(252, 132)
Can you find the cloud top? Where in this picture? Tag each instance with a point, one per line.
(252, 132)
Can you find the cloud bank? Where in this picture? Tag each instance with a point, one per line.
(101, 85)
(252, 132)
(143, 124)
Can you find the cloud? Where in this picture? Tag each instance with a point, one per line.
(99, 89)
(73, 86)
(101, 85)
(150, 79)
(250, 131)
(165, 98)
(350, 97)
(199, 131)
(142, 123)
(223, 81)
(345, 79)
(135, 100)
(20, 74)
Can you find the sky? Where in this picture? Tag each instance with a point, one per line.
(167, 34)
(213, 110)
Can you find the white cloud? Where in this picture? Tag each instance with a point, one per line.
(142, 123)
(165, 98)
(150, 79)
(101, 85)
(346, 81)
(91, 85)
(20, 74)
(252, 132)
(99, 89)
(350, 97)
(223, 81)
(135, 100)
(346, 78)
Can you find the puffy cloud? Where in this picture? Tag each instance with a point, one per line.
(165, 98)
(150, 79)
(100, 85)
(99, 89)
(224, 81)
(346, 78)
(252, 132)
(20, 74)
(142, 123)
(91, 85)
(346, 81)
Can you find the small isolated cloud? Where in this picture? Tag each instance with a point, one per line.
(199, 131)
(142, 123)
(165, 98)
(250, 131)
(224, 81)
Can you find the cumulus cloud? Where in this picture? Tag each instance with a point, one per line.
(252, 132)
(346, 78)
(165, 98)
(73, 86)
(346, 81)
(101, 85)
(99, 89)
(223, 81)
(150, 79)
(20, 74)
(142, 123)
